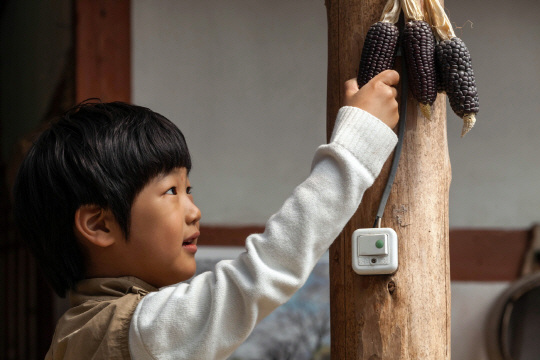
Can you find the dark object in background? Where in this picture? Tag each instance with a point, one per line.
(514, 322)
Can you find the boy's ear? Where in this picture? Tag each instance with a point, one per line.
(97, 225)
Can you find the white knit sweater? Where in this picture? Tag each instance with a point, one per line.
(210, 317)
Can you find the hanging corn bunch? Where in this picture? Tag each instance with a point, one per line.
(419, 47)
(380, 45)
(454, 66)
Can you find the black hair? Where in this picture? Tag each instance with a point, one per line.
(98, 154)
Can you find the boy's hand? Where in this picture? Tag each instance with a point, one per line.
(377, 97)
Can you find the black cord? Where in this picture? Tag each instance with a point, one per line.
(401, 132)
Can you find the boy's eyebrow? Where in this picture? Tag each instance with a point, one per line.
(164, 174)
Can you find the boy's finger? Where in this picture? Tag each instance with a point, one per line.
(351, 87)
(394, 92)
(389, 77)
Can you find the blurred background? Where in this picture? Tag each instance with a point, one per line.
(245, 81)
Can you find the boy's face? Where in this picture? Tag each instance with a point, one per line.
(163, 218)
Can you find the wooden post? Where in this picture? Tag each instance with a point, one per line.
(103, 50)
(405, 315)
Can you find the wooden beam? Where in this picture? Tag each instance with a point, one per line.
(227, 235)
(475, 254)
(103, 50)
(406, 315)
(488, 254)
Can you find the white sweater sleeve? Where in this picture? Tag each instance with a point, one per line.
(210, 317)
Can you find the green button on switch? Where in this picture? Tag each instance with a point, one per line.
(372, 244)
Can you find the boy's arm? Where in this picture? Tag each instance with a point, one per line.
(210, 317)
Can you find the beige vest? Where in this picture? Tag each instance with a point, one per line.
(97, 325)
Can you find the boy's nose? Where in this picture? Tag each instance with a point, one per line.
(193, 214)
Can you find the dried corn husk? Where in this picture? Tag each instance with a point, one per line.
(391, 11)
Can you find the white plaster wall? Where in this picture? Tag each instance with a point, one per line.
(245, 80)
(471, 305)
(496, 167)
(246, 83)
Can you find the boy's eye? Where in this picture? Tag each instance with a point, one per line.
(171, 191)
(188, 190)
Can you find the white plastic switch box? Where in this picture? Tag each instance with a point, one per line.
(375, 251)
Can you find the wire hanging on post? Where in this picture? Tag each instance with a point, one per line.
(401, 132)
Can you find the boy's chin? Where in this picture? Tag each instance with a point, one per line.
(183, 275)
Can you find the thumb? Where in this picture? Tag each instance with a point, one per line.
(388, 77)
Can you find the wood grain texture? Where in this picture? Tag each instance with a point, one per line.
(336, 251)
(103, 50)
(406, 315)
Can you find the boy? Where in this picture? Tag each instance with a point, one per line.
(103, 199)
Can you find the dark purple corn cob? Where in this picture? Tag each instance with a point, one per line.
(379, 51)
(454, 64)
(441, 88)
(419, 46)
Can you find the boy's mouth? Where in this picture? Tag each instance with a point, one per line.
(193, 238)
(190, 244)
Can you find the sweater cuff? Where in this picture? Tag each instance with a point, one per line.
(365, 136)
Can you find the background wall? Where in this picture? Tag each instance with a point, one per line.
(495, 171)
(246, 83)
